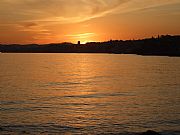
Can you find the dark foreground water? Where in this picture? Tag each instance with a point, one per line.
(89, 94)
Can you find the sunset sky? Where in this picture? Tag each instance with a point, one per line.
(52, 21)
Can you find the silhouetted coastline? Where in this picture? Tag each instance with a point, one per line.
(164, 45)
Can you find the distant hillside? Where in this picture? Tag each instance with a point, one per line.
(164, 45)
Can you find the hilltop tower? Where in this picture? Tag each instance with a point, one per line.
(79, 42)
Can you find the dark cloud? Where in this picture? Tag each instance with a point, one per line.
(29, 24)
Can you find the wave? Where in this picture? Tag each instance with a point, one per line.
(51, 128)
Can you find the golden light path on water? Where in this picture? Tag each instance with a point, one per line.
(88, 93)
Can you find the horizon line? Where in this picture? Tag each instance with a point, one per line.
(66, 42)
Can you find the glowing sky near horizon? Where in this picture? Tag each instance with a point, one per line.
(47, 21)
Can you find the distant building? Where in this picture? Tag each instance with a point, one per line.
(79, 42)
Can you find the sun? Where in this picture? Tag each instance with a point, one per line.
(85, 41)
(82, 37)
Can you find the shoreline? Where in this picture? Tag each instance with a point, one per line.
(153, 55)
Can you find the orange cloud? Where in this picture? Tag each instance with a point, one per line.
(46, 18)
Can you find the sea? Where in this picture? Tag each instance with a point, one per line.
(52, 94)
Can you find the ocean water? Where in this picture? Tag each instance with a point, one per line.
(89, 94)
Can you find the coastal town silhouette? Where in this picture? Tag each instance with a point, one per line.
(164, 45)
